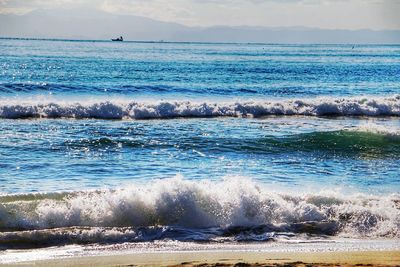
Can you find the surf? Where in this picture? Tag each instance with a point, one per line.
(126, 109)
(235, 208)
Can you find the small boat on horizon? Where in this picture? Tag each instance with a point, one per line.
(119, 39)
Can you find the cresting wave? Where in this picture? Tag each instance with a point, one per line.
(365, 141)
(235, 208)
(121, 109)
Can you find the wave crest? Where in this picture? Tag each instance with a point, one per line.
(229, 204)
(118, 109)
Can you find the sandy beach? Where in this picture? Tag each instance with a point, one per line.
(230, 258)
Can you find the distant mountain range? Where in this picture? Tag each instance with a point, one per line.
(98, 25)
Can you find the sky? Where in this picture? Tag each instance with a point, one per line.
(327, 14)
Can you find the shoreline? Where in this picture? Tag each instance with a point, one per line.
(228, 258)
(171, 253)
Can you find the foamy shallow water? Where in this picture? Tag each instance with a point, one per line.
(74, 251)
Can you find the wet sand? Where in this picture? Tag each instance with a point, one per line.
(230, 258)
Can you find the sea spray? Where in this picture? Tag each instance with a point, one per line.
(181, 209)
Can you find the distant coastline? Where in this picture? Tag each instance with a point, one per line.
(185, 42)
(98, 25)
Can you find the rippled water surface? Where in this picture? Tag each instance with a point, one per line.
(188, 141)
(47, 155)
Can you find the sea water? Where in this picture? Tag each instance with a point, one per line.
(109, 143)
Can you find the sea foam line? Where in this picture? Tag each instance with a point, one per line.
(123, 109)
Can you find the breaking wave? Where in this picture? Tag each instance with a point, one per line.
(235, 208)
(122, 109)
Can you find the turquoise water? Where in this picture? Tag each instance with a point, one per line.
(189, 141)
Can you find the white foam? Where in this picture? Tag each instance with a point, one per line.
(201, 204)
(384, 130)
(120, 109)
(156, 247)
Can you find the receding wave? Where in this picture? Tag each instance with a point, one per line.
(236, 209)
(121, 109)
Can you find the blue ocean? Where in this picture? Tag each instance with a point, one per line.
(143, 142)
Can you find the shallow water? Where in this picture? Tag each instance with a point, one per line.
(136, 142)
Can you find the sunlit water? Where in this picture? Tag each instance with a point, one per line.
(194, 141)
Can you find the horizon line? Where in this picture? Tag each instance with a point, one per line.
(184, 42)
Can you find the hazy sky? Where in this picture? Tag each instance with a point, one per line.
(331, 14)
